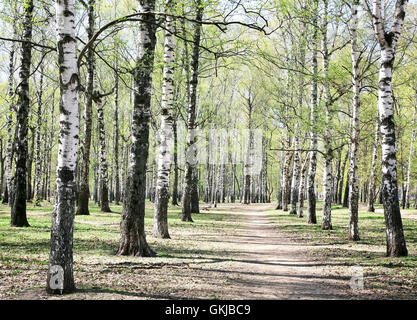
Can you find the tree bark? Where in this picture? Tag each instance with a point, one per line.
(116, 141)
(29, 189)
(175, 158)
(342, 179)
(301, 190)
(284, 185)
(295, 176)
(372, 175)
(18, 211)
(311, 176)
(355, 136)
(410, 160)
(38, 170)
(396, 246)
(8, 193)
(191, 152)
(328, 154)
(248, 161)
(84, 190)
(104, 179)
(337, 177)
(279, 188)
(195, 198)
(60, 274)
(132, 227)
(160, 227)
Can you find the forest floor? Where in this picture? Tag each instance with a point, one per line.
(233, 251)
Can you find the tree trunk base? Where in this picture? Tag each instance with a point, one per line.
(20, 224)
(82, 208)
(82, 213)
(162, 235)
(187, 219)
(311, 220)
(136, 248)
(326, 226)
(106, 209)
(397, 252)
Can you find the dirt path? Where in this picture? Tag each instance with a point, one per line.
(275, 267)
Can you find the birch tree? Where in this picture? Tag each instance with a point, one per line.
(301, 190)
(312, 167)
(175, 160)
(84, 192)
(189, 182)
(249, 158)
(103, 166)
(328, 153)
(38, 173)
(372, 175)
(132, 226)
(8, 193)
(166, 131)
(297, 162)
(60, 277)
(410, 159)
(116, 139)
(354, 151)
(295, 174)
(18, 211)
(388, 41)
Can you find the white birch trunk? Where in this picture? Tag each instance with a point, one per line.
(9, 120)
(354, 151)
(20, 188)
(301, 190)
(38, 172)
(166, 132)
(191, 153)
(372, 175)
(103, 166)
(296, 169)
(60, 273)
(132, 225)
(388, 40)
(328, 156)
(410, 160)
(295, 174)
(312, 167)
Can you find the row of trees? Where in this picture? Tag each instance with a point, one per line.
(341, 18)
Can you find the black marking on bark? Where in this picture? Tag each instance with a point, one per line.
(66, 175)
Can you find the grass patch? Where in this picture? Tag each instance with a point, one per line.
(24, 252)
(398, 274)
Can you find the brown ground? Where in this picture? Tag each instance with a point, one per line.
(273, 266)
(257, 262)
